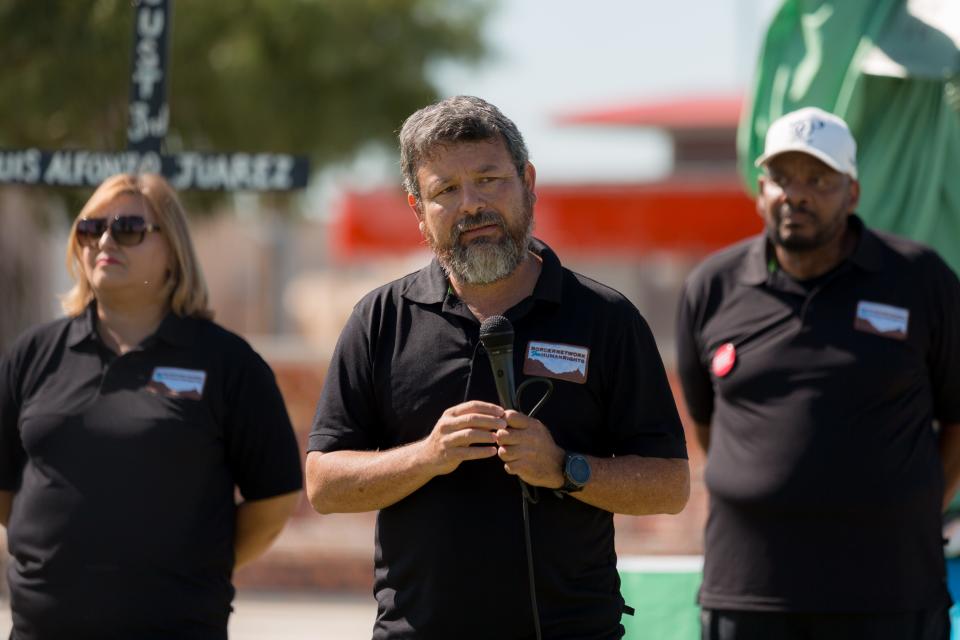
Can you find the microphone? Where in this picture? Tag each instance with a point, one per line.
(496, 335)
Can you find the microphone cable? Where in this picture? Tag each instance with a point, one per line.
(530, 495)
(497, 338)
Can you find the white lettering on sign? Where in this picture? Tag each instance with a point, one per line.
(150, 163)
(146, 72)
(147, 76)
(236, 171)
(20, 166)
(142, 125)
(72, 168)
(282, 173)
(58, 171)
(261, 170)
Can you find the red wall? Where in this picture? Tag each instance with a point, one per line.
(687, 216)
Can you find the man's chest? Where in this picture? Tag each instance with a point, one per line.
(420, 375)
(763, 344)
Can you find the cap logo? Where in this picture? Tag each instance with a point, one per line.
(815, 132)
(805, 129)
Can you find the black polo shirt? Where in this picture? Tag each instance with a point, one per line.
(450, 559)
(125, 469)
(823, 468)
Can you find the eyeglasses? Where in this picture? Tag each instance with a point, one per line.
(127, 231)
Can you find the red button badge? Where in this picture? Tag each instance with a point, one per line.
(723, 360)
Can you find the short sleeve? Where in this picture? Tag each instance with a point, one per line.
(262, 449)
(12, 456)
(346, 417)
(944, 357)
(642, 414)
(694, 378)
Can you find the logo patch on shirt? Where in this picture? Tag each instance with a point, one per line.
(560, 361)
(177, 383)
(882, 319)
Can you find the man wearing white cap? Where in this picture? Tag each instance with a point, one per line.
(820, 361)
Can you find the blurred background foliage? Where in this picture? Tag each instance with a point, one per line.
(316, 77)
(322, 78)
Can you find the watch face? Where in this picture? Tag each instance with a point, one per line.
(578, 470)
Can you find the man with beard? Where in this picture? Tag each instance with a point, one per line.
(819, 362)
(409, 422)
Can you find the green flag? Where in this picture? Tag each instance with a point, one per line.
(891, 69)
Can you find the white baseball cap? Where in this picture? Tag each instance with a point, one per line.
(813, 131)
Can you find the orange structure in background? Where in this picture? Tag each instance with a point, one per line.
(679, 215)
(699, 208)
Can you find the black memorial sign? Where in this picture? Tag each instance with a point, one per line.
(149, 113)
(148, 122)
(188, 170)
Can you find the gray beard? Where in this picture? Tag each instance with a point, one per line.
(484, 261)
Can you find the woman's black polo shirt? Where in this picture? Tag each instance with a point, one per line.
(450, 559)
(125, 470)
(823, 470)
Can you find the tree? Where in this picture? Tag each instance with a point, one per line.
(315, 77)
(321, 78)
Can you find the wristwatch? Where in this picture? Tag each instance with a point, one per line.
(576, 472)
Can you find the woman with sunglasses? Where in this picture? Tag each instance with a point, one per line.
(126, 430)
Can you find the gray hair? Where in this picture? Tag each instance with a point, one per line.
(456, 119)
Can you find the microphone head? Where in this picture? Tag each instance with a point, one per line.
(496, 333)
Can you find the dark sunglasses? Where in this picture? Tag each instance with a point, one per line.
(127, 231)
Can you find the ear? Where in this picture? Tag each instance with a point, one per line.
(530, 177)
(854, 194)
(415, 206)
(758, 201)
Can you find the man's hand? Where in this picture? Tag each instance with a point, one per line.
(460, 426)
(353, 481)
(528, 450)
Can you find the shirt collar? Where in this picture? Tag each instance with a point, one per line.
(755, 267)
(549, 287)
(83, 326)
(174, 330)
(430, 284)
(866, 255)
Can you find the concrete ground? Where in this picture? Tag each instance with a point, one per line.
(285, 616)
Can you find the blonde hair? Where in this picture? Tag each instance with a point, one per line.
(185, 287)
